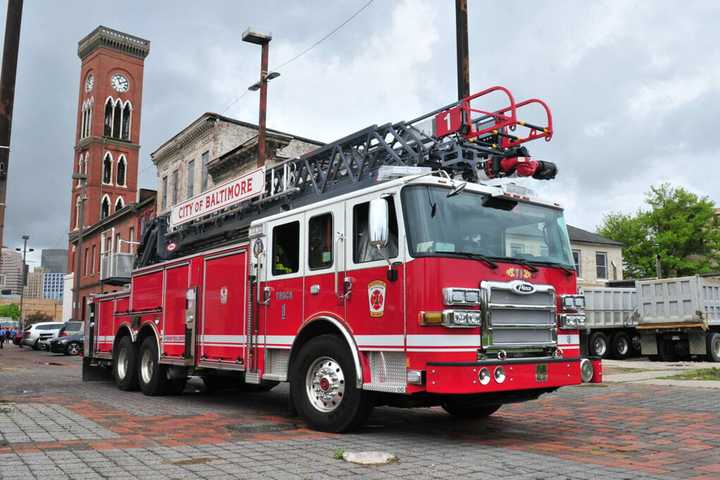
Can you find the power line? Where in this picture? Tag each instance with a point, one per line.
(318, 42)
(328, 35)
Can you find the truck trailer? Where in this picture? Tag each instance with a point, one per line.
(382, 269)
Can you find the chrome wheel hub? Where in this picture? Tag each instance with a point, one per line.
(74, 349)
(716, 347)
(147, 366)
(122, 363)
(325, 384)
(623, 346)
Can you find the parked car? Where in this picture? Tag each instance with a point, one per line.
(68, 344)
(18, 338)
(69, 328)
(34, 333)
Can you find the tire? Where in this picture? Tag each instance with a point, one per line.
(713, 347)
(124, 365)
(153, 377)
(598, 345)
(36, 345)
(461, 408)
(73, 348)
(323, 387)
(621, 345)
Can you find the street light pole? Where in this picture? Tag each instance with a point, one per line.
(78, 245)
(264, 41)
(7, 96)
(23, 277)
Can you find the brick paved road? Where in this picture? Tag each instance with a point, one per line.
(54, 426)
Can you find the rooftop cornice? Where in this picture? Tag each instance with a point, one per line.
(115, 40)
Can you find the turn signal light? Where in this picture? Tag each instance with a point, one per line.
(431, 318)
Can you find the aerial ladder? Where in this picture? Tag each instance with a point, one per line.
(466, 140)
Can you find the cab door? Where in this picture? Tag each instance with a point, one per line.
(282, 291)
(374, 303)
(325, 262)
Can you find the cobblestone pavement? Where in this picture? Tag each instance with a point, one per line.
(54, 426)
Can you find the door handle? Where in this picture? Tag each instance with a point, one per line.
(347, 288)
(266, 296)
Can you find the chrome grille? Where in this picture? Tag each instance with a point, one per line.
(524, 321)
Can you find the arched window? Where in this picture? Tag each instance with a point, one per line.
(108, 117)
(127, 112)
(119, 204)
(107, 169)
(88, 121)
(117, 119)
(122, 164)
(105, 207)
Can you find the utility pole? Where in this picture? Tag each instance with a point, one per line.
(461, 40)
(7, 96)
(24, 278)
(78, 245)
(264, 41)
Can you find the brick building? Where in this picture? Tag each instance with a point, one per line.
(106, 152)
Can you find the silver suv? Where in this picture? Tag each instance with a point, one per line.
(34, 333)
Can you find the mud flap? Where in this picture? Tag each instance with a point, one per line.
(94, 372)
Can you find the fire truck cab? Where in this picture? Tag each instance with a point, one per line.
(416, 289)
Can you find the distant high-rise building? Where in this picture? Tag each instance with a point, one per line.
(53, 285)
(11, 277)
(34, 287)
(54, 260)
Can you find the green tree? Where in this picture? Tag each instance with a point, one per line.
(679, 226)
(11, 310)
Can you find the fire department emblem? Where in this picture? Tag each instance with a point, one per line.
(519, 273)
(376, 298)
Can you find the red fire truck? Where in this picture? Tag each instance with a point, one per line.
(387, 268)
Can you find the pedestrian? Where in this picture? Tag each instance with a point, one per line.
(2, 337)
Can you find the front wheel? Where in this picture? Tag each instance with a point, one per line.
(323, 386)
(713, 346)
(467, 409)
(73, 348)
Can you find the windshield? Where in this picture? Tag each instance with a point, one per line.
(500, 229)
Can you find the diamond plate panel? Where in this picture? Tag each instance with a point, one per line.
(387, 372)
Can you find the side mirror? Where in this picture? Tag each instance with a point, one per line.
(379, 223)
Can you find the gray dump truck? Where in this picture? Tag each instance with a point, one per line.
(664, 319)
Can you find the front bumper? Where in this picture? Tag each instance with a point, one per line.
(521, 374)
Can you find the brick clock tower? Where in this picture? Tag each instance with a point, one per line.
(107, 145)
(108, 122)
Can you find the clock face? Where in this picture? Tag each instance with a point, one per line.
(89, 83)
(120, 83)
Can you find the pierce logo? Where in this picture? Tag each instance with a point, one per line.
(376, 298)
(523, 288)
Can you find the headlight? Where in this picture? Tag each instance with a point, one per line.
(461, 296)
(572, 321)
(573, 303)
(462, 318)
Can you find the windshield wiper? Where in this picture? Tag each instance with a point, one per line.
(474, 256)
(562, 267)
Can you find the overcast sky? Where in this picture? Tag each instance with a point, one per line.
(634, 86)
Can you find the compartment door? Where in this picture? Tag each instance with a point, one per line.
(221, 330)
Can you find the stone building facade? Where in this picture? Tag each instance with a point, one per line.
(213, 149)
(597, 259)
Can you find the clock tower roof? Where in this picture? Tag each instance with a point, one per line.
(115, 40)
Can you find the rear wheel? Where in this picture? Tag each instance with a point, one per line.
(598, 345)
(323, 386)
(621, 345)
(154, 378)
(461, 408)
(73, 348)
(713, 346)
(125, 364)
